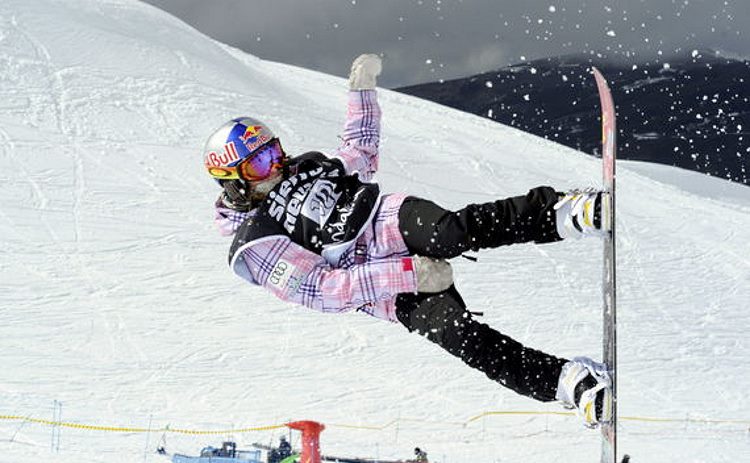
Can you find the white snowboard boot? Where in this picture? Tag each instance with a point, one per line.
(586, 386)
(583, 213)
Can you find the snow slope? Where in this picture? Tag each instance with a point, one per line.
(116, 301)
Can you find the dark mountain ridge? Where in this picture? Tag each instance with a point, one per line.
(692, 113)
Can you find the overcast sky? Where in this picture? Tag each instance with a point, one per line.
(429, 40)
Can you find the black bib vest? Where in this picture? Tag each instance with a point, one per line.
(318, 206)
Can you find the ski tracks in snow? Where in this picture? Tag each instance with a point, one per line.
(121, 303)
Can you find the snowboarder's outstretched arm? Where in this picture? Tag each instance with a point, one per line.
(361, 137)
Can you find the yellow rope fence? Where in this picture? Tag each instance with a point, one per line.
(133, 430)
(167, 429)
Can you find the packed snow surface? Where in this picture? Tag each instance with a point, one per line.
(116, 300)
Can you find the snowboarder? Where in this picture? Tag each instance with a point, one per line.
(315, 230)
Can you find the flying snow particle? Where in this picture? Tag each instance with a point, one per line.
(428, 61)
(532, 70)
(488, 84)
(526, 97)
(552, 8)
(695, 53)
(611, 33)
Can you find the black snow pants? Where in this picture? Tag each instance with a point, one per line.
(430, 230)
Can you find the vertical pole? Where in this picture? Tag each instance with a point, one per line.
(56, 419)
(59, 427)
(148, 437)
(54, 426)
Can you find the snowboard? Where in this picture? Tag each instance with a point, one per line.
(609, 313)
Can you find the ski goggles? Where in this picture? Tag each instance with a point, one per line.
(258, 166)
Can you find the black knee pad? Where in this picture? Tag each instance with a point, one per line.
(438, 316)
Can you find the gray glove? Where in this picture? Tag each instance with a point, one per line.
(365, 70)
(433, 275)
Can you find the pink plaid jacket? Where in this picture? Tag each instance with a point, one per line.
(372, 271)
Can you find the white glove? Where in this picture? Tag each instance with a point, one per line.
(365, 70)
(433, 275)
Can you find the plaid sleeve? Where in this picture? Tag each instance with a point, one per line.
(339, 290)
(359, 152)
(228, 220)
(295, 274)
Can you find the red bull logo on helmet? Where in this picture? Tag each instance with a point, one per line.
(251, 132)
(254, 137)
(228, 155)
